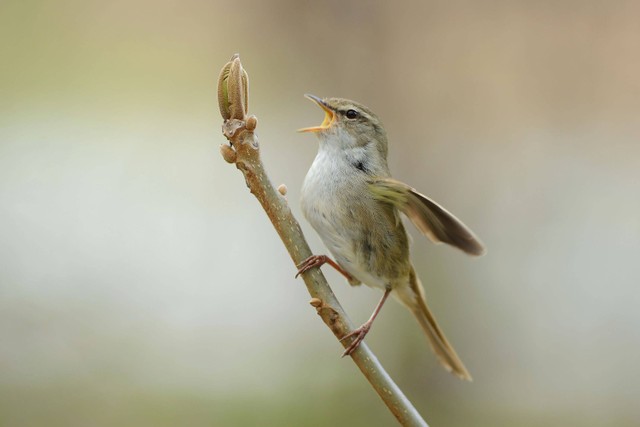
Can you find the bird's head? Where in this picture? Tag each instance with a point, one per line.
(349, 125)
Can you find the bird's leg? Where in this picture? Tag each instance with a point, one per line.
(363, 330)
(317, 261)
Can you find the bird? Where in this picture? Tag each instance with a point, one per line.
(352, 202)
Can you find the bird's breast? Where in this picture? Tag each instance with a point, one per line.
(364, 236)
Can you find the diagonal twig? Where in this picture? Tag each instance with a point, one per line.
(244, 152)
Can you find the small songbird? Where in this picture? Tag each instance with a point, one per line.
(352, 202)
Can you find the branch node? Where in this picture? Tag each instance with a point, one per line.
(231, 127)
(252, 122)
(328, 314)
(315, 302)
(228, 153)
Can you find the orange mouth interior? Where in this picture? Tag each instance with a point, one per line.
(329, 116)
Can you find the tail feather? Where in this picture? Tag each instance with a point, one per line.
(413, 298)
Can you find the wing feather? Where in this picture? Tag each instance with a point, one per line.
(434, 221)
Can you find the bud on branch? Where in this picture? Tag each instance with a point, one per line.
(233, 90)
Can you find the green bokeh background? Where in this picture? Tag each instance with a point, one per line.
(141, 285)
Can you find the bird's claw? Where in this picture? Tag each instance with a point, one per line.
(359, 335)
(309, 263)
(318, 261)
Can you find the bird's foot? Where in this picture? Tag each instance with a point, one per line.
(311, 262)
(359, 335)
(317, 261)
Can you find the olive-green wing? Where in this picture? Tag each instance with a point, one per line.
(430, 218)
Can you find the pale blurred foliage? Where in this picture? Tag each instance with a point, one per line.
(141, 285)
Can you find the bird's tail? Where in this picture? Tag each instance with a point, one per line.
(413, 298)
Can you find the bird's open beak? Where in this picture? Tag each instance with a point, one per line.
(329, 116)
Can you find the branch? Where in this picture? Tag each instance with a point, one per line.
(244, 151)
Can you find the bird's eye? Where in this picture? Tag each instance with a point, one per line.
(351, 114)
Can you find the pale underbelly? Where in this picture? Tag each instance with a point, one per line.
(361, 261)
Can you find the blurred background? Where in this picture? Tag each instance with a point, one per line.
(142, 285)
